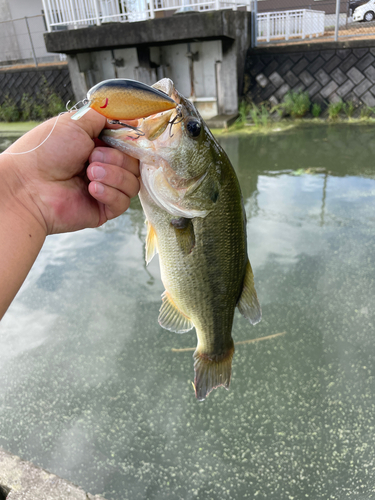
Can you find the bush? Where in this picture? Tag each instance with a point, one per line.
(9, 111)
(349, 109)
(260, 115)
(335, 108)
(316, 110)
(243, 110)
(296, 104)
(45, 105)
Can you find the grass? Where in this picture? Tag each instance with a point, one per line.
(335, 108)
(296, 104)
(45, 105)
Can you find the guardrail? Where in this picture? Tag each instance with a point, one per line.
(290, 24)
(60, 14)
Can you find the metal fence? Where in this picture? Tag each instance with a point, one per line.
(286, 21)
(22, 42)
(77, 13)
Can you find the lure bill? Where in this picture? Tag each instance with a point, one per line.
(122, 99)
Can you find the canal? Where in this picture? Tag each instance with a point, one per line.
(94, 390)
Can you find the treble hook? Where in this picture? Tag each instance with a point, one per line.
(174, 122)
(136, 130)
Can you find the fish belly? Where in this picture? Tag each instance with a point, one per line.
(204, 283)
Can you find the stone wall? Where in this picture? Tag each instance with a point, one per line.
(327, 71)
(14, 82)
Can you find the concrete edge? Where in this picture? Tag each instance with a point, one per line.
(313, 46)
(21, 480)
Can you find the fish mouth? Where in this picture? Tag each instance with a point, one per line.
(166, 188)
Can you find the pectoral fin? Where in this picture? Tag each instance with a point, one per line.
(151, 243)
(184, 231)
(248, 304)
(171, 318)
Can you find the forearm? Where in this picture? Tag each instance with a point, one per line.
(21, 236)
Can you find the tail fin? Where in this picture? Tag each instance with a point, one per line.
(212, 371)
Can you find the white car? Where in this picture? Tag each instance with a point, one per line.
(365, 12)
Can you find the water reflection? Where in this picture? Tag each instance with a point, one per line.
(91, 389)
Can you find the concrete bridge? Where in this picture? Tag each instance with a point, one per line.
(202, 52)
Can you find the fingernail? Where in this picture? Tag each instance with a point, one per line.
(98, 172)
(97, 156)
(99, 188)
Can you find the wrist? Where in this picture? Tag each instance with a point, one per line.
(16, 200)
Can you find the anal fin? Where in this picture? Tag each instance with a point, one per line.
(248, 304)
(151, 243)
(171, 318)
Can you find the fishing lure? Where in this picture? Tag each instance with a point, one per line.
(122, 99)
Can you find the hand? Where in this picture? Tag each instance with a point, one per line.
(54, 183)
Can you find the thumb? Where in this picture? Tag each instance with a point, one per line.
(92, 123)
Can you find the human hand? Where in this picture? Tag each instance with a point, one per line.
(55, 184)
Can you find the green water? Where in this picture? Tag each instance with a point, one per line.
(91, 389)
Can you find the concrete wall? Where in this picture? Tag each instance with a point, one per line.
(191, 66)
(203, 53)
(327, 71)
(16, 82)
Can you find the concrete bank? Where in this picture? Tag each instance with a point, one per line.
(20, 480)
(328, 71)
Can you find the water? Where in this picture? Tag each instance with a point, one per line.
(91, 389)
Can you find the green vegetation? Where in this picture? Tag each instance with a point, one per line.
(296, 104)
(366, 111)
(349, 109)
(334, 109)
(295, 107)
(316, 110)
(45, 105)
(258, 115)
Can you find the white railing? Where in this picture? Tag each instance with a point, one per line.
(290, 23)
(62, 14)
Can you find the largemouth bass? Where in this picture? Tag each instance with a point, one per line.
(196, 222)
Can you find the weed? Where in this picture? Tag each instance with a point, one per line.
(335, 108)
(316, 110)
(366, 111)
(9, 110)
(259, 115)
(296, 104)
(45, 105)
(254, 114)
(349, 108)
(55, 104)
(264, 115)
(243, 110)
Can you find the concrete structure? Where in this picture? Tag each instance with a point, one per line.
(203, 53)
(328, 71)
(20, 480)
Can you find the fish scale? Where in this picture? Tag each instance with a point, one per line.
(196, 222)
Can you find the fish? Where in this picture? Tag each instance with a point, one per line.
(122, 99)
(196, 222)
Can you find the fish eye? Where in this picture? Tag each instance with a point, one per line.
(193, 127)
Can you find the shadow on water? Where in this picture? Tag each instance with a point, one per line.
(91, 389)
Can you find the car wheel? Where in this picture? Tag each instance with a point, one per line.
(369, 16)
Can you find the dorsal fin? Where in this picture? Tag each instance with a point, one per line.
(151, 243)
(248, 304)
(171, 318)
